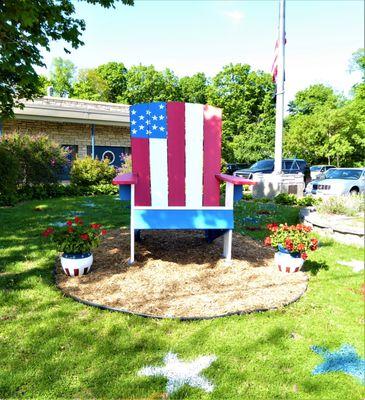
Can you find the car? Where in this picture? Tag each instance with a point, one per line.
(233, 167)
(316, 170)
(289, 166)
(338, 182)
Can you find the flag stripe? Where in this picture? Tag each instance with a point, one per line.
(212, 155)
(141, 167)
(194, 154)
(176, 153)
(158, 168)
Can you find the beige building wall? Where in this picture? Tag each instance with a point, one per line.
(71, 133)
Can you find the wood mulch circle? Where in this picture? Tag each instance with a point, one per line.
(178, 275)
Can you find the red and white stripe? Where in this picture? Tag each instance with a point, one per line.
(179, 171)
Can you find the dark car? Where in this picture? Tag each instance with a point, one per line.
(233, 167)
(289, 166)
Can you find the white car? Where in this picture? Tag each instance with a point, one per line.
(339, 182)
(316, 170)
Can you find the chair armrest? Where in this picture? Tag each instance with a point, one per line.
(236, 180)
(125, 179)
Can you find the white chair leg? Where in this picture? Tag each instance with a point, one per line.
(227, 246)
(131, 259)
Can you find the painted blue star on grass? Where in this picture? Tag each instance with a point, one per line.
(344, 360)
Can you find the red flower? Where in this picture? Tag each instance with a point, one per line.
(95, 226)
(84, 236)
(307, 228)
(304, 256)
(313, 247)
(267, 241)
(272, 227)
(301, 247)
(78, 221)
(314, 241)
(47, 232)
(69, 223)
(70, 230)
(103, 231)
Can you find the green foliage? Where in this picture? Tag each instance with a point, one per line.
(9, 173)
(86, 172)
(293, 200)
(357, 62)
(41, 160)
(248, 103)
(345, 205)
(75, 237)
(27, 28)
(62, 76)
(126, 167)
(194, 88)
(323, 128)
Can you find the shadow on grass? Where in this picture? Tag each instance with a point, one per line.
(314, 266)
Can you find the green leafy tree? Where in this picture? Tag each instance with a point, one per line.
(146, 84)
(357, 62)
(26, 28)
(90, 86)
(308, 100)
(194, 88)
(248, 103)
(62, 76)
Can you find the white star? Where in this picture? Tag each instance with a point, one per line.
(161, 117)
(148, 122)
(162, 128)
(148, 132)
(141, 127)
(154, 127)
(180, 373)
(133, 112)
(148, 112)
(133, 122)
(161, 107)
(134, 131)
(141, 117)
(154, 117)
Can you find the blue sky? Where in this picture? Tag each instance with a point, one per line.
(193, 36)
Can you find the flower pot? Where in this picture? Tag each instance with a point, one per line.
(288, 262)
(76, 264)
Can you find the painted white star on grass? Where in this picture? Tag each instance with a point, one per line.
(180, 373)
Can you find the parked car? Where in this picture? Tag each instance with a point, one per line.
(289, 166)
(338, 182)
(316, 170)
(233, 167)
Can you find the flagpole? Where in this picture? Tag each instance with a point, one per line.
(280, 91)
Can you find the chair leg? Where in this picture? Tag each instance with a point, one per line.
(227, 246)
(131, 259)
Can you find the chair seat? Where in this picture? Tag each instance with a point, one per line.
(210, 218)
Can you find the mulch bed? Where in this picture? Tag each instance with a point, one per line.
(177, 274)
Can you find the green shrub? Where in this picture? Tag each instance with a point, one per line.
(307, 201)
(87, 172)
(40, 159)
(9, 173)
(286, 199)
(127, 164)
(345, 205)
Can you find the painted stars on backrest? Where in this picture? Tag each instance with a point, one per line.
(148, 120)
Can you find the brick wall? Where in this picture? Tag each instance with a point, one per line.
(72, 134)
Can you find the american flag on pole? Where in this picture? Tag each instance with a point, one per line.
(274, 67)
(176, 152)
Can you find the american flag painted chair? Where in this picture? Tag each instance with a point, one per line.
(176, 161)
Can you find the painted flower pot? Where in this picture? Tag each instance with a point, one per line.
(288, 262)
(76, 264)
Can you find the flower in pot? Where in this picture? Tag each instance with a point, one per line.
(76, 240)
(292, 243)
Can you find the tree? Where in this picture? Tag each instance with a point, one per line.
(62, 76)
(27, 27)
(90, 86)
(248, 103)
(194, 88)
(357, 62)
(146, 84)
(114, 76)
(307, 100)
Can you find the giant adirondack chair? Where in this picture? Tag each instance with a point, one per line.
(175, 179)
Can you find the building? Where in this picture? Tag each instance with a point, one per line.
(87, 127)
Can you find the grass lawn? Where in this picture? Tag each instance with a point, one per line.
(52, 347)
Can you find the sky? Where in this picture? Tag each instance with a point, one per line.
(204, 35)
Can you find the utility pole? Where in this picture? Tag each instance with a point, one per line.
(280, 91)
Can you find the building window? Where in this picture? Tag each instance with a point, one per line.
(113, 153)
(72, 150)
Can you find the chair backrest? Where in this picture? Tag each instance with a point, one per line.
(176, 152)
